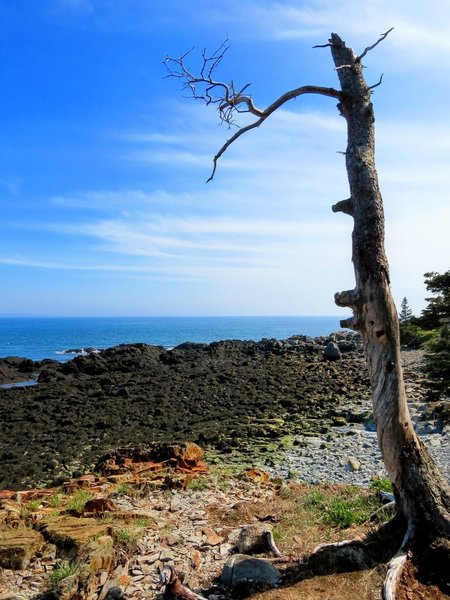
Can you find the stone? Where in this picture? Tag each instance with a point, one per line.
(99, 506)
(253, 538)
(196, 559)
(212, 538)
(18, 547)
(339, 421)
(72, 533)
(10, 512)
(332, 352)
(354, 463)
(243, 569)
(98, 555)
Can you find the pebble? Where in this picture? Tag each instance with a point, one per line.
(326, 458)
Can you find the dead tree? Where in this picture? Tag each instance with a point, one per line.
(421, 491)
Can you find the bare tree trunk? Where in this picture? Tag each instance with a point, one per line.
(422, 494)
(421, 491)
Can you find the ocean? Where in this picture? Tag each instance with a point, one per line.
(62, 338)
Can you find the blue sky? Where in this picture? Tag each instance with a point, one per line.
(104, 209)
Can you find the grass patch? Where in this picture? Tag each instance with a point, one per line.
(381, 484)
(127, 538)
(311, 515)
(55, 501)
(142, 522)
(62, 571)
(77, 503)
(343, 508)
(124, 536)
(124, 489)
(197, 484)
(33, 505)
(345, 512)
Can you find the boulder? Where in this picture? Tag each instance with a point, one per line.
(18, 547)
(332, 352)
(242, 570)
(10, 512)
(72, 533)
(253, 538)
(353, 463)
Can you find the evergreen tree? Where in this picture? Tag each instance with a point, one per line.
(437, 313)
(436, 316)
(437, 365)
(405, 313)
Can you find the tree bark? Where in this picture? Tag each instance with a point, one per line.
(421, 491)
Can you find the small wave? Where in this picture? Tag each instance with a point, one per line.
(78, 351)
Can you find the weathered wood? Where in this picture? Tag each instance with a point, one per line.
(422, 493)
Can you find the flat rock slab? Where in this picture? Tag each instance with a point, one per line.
(72, 532)
(17, 547)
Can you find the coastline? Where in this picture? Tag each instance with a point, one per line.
(39, 338)
(254, 403)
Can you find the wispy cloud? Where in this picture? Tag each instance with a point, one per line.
(11, 185)
(210, 240)
(420, 36)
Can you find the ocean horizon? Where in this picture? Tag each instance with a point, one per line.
(61, 338)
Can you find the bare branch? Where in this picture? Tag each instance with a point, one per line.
(377, 84)
(369, 48)
(306, 89)
(204, 87)
(229, 99)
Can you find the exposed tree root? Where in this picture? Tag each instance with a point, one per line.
(395, 568)
(375, 516)
(354, 555)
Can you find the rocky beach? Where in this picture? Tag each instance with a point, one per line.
(300, 407)
(104, 425)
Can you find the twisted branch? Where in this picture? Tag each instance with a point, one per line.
(230, 99)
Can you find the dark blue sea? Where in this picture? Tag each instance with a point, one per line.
(39, 338)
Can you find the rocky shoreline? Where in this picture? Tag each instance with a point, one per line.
(349, 452)
(299, 406)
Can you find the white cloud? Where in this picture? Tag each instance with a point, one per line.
(419, 37)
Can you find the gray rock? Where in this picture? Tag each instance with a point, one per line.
(242, 569)
(332, 352)
(253, 538)
(50, 595)
(354, 463)
(115, 593)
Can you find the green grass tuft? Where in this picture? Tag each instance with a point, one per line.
(77, 502)
(62, 571)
